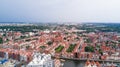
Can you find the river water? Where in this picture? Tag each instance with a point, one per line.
(73, 63)
(69, 63)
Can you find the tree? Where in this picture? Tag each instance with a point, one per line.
(100, 51)
(88, 40)
(1, 40)
(89, 49)
(42, 47)
(27, 47)
(50, 43)
(71, 47)
(59, 48)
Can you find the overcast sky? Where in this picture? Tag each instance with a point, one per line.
(59, 10)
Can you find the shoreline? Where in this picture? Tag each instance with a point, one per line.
(78, 59)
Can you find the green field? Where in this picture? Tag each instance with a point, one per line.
(59, 48)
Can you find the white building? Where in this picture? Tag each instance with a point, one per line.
(41, 60)
(23, 58)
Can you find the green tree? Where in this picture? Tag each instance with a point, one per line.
(59, 48)
(43, 47)
(71, 47)
(100, 51)
(27, 47)
(50, 43)
(1, 40)
(89, 49)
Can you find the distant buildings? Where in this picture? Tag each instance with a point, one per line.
(66, 42)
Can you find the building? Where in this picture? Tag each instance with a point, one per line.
(41, 60)
(92, 64)
(6, 63)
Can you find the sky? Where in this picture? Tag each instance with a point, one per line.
(59, 10)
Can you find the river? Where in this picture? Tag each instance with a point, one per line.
(76, 63)
(71, 63)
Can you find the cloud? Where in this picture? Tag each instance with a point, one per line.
(60, 10)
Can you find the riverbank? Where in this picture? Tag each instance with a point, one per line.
(79, 59)
(74, 63)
